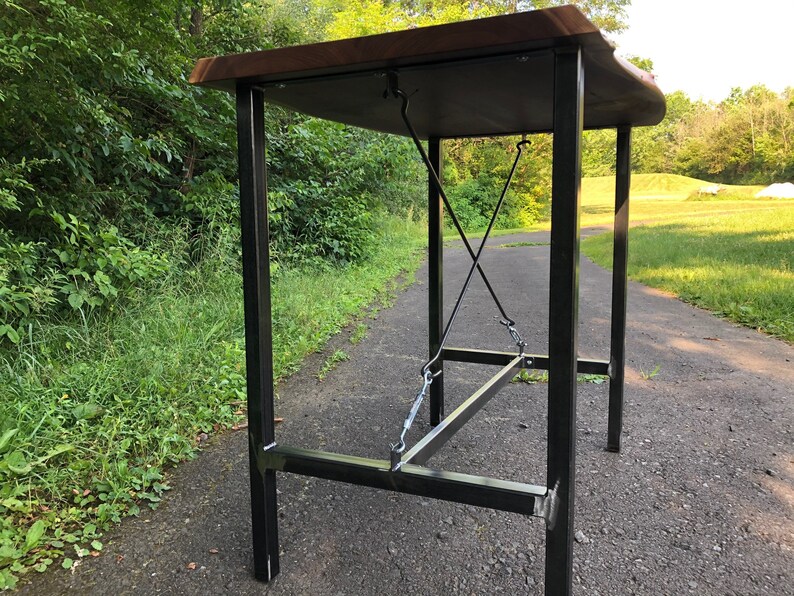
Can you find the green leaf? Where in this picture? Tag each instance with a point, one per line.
(75, 300)
(67, 563)
(35, 532)
(17, 463)
(9, 332)
(96, 545)
(57, 450)
(5, 440)
(7, 580)
(87, 411)
(8, 554)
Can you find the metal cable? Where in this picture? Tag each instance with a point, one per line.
(398, 448)
(507, 321)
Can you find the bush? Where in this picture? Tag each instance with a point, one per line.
(100, 266)
(474, 200)
(328, 184)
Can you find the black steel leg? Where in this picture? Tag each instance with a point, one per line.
(563, 315)
(258, 335)
(617, 357)
(435, 250)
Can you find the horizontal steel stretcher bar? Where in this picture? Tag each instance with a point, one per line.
(535, 361)
(480, 491)
(408, 477)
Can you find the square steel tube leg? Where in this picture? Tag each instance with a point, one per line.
(435, 258)
(563, 314)
(258, 332)
(620, 258)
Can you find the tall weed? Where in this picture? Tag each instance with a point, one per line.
(94, 411)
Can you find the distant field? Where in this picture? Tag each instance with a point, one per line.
(731, 257)
(667, 186)
(660, 196)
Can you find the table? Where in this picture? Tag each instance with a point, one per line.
(549, 70)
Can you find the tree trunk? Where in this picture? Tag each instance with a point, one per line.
(196, 21)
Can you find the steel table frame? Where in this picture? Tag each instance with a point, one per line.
(554, 502)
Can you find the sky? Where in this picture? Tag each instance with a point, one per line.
(707, 47)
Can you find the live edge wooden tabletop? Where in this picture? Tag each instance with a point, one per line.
(484, 77)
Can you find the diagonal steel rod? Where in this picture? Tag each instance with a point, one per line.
(439, 188)
(475, 264)
(399, 93)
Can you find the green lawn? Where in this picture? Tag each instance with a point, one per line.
(656, 197)
(732, 256)
(735, 260)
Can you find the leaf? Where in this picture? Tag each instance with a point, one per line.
(75, 301)
(67, 563)
(35, 532)
(57, 450)
(7, 554)
(5, 440)
(87, 411)
(96, 545)
(7, 580)
(9, 332)
(17, 463)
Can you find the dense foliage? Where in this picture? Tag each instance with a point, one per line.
(745, 139)
(119, 272)
(105, 150)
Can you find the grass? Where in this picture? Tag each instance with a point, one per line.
(519, 244)
(736, 264)
(657, 197)
(331, 362)
(730, 253)
(359, 333)
(534, 377)
(654, 197)
(647, 376)
(92, 413)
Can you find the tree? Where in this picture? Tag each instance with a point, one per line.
(352, 18)
(744, 139)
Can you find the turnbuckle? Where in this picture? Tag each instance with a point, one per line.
(510, 324)
(398, 448)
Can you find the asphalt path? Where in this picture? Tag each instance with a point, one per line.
(699, 501)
